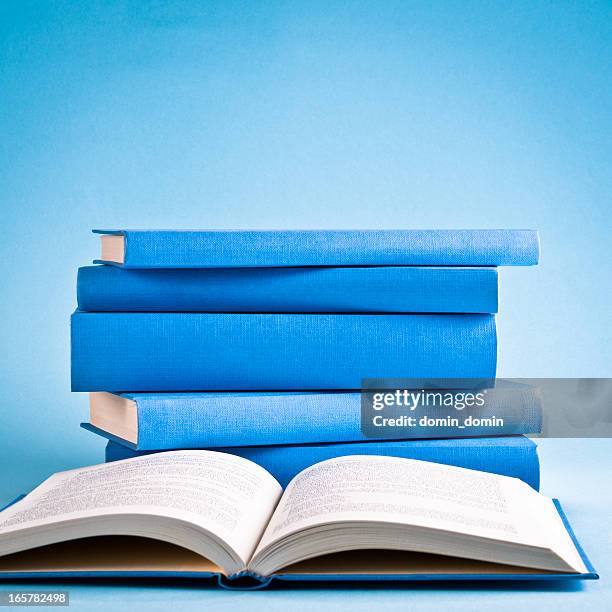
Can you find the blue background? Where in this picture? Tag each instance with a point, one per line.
(307, 115)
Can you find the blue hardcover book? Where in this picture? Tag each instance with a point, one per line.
(253, 248)
(165, 421)
(514, 456)
(211, 515)
(121, 557)
(319, 290)
(288, 352)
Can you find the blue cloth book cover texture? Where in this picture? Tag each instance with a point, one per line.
(199, 352)
(203, 420)
(361, 289)
(221, 248)
(514, 456)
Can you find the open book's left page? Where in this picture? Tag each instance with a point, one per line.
(212, 503)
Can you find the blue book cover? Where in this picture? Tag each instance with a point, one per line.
(514, 456)
(254, 248)
(316, 289)
(287, 352)
(165, 421)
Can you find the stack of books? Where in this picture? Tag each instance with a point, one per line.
(257, 343)
(281, 350)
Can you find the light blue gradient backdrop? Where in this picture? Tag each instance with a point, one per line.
(296, 115)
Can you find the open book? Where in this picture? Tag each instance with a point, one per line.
(204, 511)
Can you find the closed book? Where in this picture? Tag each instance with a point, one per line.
(288, 352)
(514, 456)
(165, 421)
(254, 248)
(317, 289)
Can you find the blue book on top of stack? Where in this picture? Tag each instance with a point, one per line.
(296, 248)
(258, 342)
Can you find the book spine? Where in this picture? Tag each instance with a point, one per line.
(513, 456)
(318, 290)
(197, 352)
(171, 421)
(218, 249)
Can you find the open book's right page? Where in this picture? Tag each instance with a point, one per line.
(420, 494)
